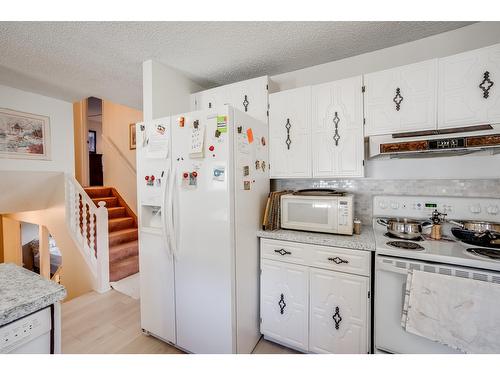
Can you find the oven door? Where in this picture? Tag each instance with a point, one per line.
(390, 286)
(314, 214)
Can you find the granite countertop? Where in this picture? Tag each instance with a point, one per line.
(23, 292)
(363, 241)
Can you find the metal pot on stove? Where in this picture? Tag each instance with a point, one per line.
(479, 233)
(404, 228)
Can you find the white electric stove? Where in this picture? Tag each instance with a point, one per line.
(449, 256)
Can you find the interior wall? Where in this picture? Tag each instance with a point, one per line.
(80, 142)
(12, 241)
(29, 232)
(1, 239)
(165, 90)
(61, 130)
(467, 38)
(75, 275)
(119, 165)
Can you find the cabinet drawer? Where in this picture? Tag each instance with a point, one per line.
(291, 252)
(340, 259)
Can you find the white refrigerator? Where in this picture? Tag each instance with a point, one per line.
(202, 183)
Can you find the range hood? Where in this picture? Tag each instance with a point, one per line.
(433, 143)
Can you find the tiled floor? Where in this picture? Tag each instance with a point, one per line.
(110, 323)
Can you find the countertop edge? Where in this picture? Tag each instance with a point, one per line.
(363, 242)
(20, 311)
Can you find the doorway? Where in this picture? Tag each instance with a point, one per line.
(94, 141)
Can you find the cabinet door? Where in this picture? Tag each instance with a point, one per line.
(290, 133)
(337, 129)
(284, 302)
(212, 98)
(463, 97)
(193, 102)
(251, 97)
(339, 312)
(402, 99)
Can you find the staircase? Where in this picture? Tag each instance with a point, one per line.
(123, 233)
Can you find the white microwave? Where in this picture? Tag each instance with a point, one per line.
(318, 213)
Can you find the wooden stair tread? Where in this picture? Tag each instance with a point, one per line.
(115, 212)
(98, 191)
(110, 201)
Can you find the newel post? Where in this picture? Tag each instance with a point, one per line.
(102, 243)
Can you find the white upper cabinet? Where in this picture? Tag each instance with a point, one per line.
(212, 98)
(337, 129)
(469, 88)
(290, 133)
(339, 313)
(402, 99)
(250, 96)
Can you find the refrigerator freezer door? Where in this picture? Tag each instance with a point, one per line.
(204, 270)
(157, 287)
(156, 263)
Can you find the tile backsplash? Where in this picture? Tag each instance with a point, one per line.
(365, 189)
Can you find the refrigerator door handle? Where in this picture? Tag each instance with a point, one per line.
(164, 221)
(171, 216)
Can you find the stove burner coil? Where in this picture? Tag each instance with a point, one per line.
(390, 235)
(405, 245)
(484, 253)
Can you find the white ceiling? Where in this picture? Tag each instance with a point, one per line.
(73, 60)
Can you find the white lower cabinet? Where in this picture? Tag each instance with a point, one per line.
(313, 308)
(338, 312)
(284, 303)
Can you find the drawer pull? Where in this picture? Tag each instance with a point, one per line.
(338, 260)
(282, 252)
(282, 304)
(336, 317)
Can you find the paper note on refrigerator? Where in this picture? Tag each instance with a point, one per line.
(157, 142)
(197, 140)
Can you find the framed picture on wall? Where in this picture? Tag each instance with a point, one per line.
(131, 137)
(24, 135)
(92, 141)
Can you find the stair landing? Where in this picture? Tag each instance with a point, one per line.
(123, 232)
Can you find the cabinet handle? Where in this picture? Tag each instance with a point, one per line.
(398, 99)
(282, 304)
(209, 104)
(246, 103)
(282, 252)
(288, 127)
(486, 84)
(336, 136)
(338, 260)
(336, 317)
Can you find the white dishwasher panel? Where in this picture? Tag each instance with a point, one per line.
(28, 335)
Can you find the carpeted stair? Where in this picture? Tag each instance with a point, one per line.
(123, 233)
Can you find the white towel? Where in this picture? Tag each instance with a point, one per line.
(463, 314)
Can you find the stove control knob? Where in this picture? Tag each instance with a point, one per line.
(394, 205)
(475, 209)
(492, 209)
(383, 205)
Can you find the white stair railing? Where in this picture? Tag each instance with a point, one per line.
(88, 226)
